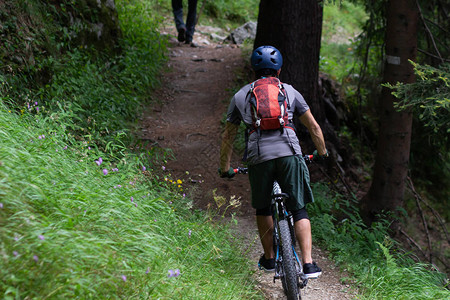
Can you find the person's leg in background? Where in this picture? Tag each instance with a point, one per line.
(177, 9)
(191, 20)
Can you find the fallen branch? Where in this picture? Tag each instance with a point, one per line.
(328, 178)
(432, 55)
(437, 25)
(425, 227)
(411, 240)
(435, 213)
(200, 12)
(428, 31)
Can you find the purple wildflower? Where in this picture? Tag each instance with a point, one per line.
(35, 258)
(89, 148)
(1, 205)
(164, 168)
(124, 278)
(41, 237)
(35, 103)
(105, 172)
(148, 271)
(184, 195)
(99, 161)
(144, 168)
(135, 204)
(173, 273)
(15, 253)
(16, 238)
(189, 233)
(37, 109)
(132, 199)
(65, 148)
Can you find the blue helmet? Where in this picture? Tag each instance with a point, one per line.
(266, 57)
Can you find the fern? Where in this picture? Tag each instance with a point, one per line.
(390, 261)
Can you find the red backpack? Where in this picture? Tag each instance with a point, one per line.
(268, 103)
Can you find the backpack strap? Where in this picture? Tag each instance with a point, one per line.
(248, 130)
(285, 94)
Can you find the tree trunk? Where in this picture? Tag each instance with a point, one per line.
(393, 148)
(294, 27)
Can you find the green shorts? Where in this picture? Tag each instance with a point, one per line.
(290, 172)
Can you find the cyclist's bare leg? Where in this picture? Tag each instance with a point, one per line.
(304, 238)
(265, 229)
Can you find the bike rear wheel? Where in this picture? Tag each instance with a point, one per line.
(290, 277)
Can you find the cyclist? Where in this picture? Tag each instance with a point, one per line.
(275, 155)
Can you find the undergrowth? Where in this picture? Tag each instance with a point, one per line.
(84, 215)
(74, 224)
(376, 264)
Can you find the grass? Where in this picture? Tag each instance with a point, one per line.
(73, 225)
(378, 266)
(68, 230)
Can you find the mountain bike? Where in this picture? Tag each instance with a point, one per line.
(288, 266)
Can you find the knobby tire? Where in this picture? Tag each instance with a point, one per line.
(290, 279)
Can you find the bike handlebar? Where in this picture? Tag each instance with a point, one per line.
(240, 170)
(308, 159)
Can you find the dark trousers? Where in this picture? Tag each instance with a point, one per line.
(177, 7)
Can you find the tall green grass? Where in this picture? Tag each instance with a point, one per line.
(69, 228)
(73, 225)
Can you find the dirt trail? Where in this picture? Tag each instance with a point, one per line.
(195, 98)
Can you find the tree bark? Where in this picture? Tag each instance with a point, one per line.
(294, 27)
(393, 148)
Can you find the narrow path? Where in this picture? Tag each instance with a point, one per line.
(195, 98)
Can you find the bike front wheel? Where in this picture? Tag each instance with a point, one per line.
(290, 277)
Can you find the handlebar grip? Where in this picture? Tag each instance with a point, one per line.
(240, 170)
(309, 157)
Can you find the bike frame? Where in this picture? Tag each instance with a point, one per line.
(295, 279)
(279, 212)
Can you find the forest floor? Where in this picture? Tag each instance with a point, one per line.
(194, 98)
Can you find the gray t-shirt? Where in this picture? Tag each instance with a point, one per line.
(269, 144)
